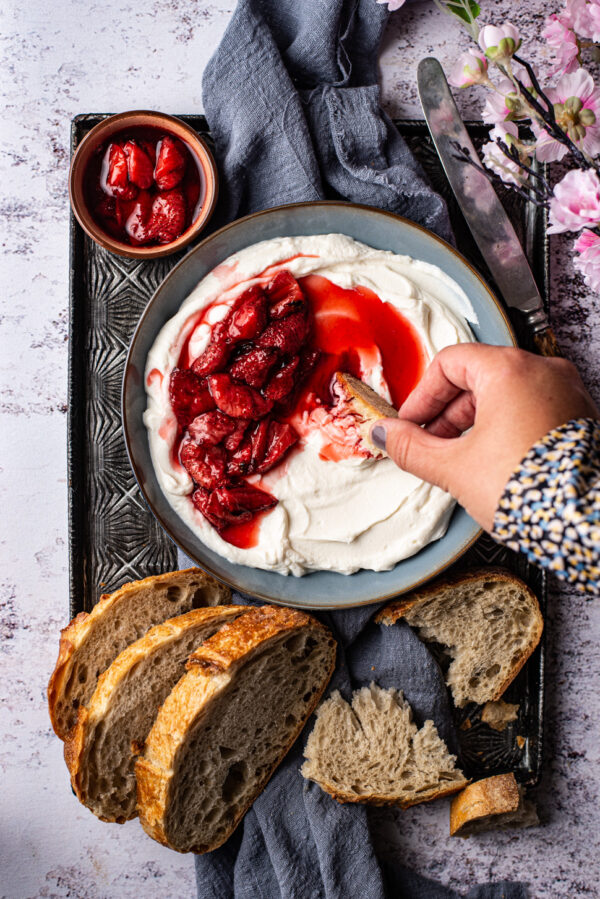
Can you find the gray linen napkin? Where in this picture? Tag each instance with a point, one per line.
(292, 101)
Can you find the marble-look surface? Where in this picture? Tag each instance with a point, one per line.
(66, 57)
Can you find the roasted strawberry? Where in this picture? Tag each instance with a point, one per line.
(237, 400)
(259, 437)
(113, 179)
(283, 382)
(250, 317)
(215, 356)
(308, 360)
(233, 440)
(110, 213)
(207, 503)
(286, 335)
(207, 465)
(282, 437)
(139, 168)
(254, 366)
(284, 295)
(170, 163)
(211, 428)
(138, 220)
(167, 220)
(239, 462)
(244, 498)
(189, 396)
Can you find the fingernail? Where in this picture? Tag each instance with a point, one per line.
(378, 436)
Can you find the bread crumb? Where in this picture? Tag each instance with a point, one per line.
(466, 725)
(498, 715)
(520, 741)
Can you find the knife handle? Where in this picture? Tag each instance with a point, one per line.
(545, 343)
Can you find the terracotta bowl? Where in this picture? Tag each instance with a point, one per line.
(103, 132)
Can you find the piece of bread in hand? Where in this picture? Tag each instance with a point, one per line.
(111, 729)
(228, 723)
(489, 620)
(92, 641)
(495, 803)
(362, 406)
(373, 752)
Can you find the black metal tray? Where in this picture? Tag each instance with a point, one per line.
(114, 538)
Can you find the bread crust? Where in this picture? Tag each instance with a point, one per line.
(76, 741)
(496, 795)
(376, 799)
(399, 607)
(211, 669)
(74, 635)
(364, 404)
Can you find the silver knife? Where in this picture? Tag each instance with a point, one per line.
(483, 211)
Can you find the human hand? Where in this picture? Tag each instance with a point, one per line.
(508, 398)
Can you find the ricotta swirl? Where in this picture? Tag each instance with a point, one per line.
(339, 516)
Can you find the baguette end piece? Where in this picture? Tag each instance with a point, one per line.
(493, 803)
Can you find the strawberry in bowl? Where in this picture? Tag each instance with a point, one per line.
(142, 184)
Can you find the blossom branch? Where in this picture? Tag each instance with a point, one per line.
(531, 194)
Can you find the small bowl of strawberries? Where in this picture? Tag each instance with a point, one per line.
(143, 184)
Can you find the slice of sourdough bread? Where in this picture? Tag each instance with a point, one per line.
(373, 752)
(355, 399)
(489, 620)
(228, 723)
(495, 803)
(101, 749)
(92, 641)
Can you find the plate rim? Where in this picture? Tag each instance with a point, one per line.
(231, 581)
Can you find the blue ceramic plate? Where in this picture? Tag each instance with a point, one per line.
(321, 589)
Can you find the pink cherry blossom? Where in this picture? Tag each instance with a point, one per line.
(499, 42)
(560, 37)
(576, 202)
(393, 5)
(495, 109)
(495, 160)
(469, 69)
(588, 261)
(579, 85)
(584, 17)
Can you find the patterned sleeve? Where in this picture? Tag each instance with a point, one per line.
(550, 508)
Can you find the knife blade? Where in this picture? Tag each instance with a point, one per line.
(488, 222)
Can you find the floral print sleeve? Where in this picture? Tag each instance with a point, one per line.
(550, 508)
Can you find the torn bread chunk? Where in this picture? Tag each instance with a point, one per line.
(358, 407)
(498, 715)
(495, 803)
(373, 752)
(490, 621)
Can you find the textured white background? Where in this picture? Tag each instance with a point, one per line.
(66, 57)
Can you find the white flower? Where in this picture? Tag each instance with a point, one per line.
(393, 5)
(499, 42)
(576, 202)
(469, 69)
(495, 159)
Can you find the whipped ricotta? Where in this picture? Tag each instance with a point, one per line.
(340, 516)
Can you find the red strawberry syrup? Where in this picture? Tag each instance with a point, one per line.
(353, 331)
